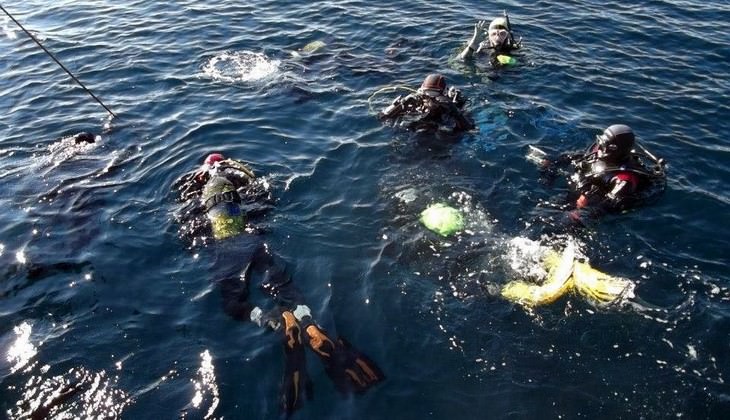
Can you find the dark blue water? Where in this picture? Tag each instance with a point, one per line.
(100, 296)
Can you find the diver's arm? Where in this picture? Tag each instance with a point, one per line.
(568, 159)
(393, 110)
(237, 172)
(462, 121)
(588, 196)
(399, 106)
(473, 45)
(455, 108)
(468, 52)
(622, 186)
(190, 185)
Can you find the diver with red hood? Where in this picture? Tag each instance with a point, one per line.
(432, 107)
(219, 199)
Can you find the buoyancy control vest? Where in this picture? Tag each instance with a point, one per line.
(597, 177)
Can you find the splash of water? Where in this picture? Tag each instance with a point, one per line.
(240, 66)
(66, 148)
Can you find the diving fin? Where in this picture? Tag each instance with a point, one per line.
(350, 370)
(296, 383)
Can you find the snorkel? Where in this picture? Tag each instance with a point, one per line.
(509, 29)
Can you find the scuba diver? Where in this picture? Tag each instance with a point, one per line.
(499, 42)
(84, 137)
(71, 145)
(614, 174)
(219, 198)
(430, 108)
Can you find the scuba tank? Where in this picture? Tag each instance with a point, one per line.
(223, 207)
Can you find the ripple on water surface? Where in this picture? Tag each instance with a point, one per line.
(92, 266)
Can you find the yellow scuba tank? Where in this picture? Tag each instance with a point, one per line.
(221, 201)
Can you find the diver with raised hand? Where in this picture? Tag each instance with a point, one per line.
(615, 173)
(219, 198)
(432, 107)
(498, 43)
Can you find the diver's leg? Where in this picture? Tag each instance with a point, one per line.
(235, 292)
(276, 281)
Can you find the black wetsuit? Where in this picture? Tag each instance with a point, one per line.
(615, 186)
(226, 197)
(245, 260)
(492, 53)
(421, 112)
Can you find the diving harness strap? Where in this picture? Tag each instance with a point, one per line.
(225, 197)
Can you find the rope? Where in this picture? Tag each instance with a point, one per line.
(57, 62)
(388, 89)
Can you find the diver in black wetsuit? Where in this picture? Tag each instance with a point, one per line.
(615, 173)
(220, 196)
(431, 108)
(499, 42)
(84, 137)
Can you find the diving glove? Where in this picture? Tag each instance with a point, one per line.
(269, 319)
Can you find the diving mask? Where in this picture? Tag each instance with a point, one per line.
(497, 36)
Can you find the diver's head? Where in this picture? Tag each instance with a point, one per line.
(498, 32)
(616, 142)
(433, 85)
(213, 158)
(84, 137)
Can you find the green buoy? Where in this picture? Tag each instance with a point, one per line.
(442, 219)
(506, 60)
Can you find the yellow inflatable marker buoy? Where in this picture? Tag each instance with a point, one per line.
(600, 287)
(566, 274)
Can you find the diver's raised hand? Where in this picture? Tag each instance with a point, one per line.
(475, 40)
(478, 36)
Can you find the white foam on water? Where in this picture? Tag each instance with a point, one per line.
(66, 148)
(407, 195)
(21, 257)
(241, 66)
(476, 220)
(9, 31)
(525, 256)
(22, 350)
